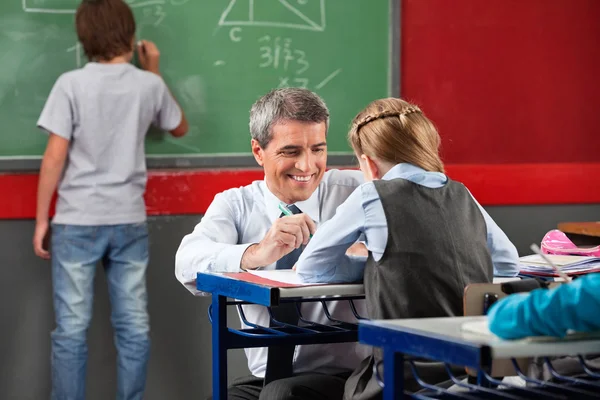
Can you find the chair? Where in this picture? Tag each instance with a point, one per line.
(473, 304)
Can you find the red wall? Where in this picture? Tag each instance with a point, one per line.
(512, 85)
(506, 81)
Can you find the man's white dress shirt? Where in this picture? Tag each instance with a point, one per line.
(240, 217)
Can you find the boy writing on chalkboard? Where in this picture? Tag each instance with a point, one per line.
(97, 118)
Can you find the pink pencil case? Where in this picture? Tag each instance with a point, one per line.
(556, 242)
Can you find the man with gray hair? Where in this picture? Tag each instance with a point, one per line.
(243, 230)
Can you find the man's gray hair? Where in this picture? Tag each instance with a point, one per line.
(292, 104)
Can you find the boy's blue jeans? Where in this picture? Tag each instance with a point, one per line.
(76, 250)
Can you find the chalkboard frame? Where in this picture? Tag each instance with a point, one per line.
(32, 163)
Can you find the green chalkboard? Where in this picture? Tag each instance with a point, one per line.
(218, 57)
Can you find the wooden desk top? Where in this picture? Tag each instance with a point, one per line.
(580, 228)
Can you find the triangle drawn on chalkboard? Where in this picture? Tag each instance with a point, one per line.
(291, 14)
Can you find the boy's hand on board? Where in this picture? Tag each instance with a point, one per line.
(39, 240)
(149, 56)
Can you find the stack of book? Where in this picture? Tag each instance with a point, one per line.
(570, 265)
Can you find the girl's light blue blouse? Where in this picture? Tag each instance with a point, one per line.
(361, 217)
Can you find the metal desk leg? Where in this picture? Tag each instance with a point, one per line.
(393, 375)
(482, 380)
(219, 347)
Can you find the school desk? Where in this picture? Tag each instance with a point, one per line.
(445, 340)
(270, 294)
(582, 233)
(245, 288)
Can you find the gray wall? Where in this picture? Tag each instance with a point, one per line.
(180, 360)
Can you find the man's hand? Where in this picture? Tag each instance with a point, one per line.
(41, 231)
(286, 234)
(149, 56)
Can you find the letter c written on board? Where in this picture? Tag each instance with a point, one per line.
(233, 36)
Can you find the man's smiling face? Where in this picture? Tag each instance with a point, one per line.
(294, 160)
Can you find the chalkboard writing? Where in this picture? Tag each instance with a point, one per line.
(218, 57)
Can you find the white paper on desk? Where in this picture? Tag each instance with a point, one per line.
(482, 328)
(477, 327)
(503, 279)
(282, 275)
(565, 262)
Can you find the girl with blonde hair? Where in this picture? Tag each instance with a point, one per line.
(426, 236)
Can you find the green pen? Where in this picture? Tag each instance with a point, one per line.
(286, 211)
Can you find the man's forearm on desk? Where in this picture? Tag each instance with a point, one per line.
(208, 257)
(249, 259)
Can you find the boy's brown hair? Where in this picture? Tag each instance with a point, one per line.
(396, 131)
(105, 28)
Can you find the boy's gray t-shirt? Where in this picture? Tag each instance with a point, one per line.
(105, 110)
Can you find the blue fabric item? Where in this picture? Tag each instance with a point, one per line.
(549, 312)
(288, 261)
(76, 250)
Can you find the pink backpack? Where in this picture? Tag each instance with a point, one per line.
(556, 242)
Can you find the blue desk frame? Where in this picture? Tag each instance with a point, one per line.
(222, 287)
(440, 339)
(396, 344)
